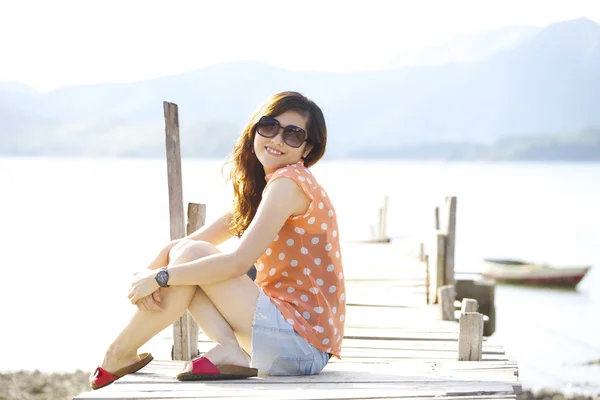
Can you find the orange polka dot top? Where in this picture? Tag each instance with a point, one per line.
(301, 271)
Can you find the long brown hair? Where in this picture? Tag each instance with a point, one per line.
(247, 173)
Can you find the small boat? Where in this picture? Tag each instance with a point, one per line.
(516, 271)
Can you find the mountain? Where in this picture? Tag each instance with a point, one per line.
(547, 82)
(470, 47)
(572, 146)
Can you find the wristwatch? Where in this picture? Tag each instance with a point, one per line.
(162, 277)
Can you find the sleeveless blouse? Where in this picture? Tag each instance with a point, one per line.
(301, 271)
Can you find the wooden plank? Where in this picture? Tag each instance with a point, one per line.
(334, 373)
(258, 389)
(415, 344)
(395, 345)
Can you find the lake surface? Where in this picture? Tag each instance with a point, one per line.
(72, 231)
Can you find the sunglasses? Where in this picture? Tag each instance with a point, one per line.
(292, 135)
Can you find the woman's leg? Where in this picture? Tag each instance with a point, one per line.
(174, 301)
(224, 311)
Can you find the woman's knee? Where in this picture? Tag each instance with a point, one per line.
(188, 250)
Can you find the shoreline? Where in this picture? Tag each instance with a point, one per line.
(36, 385)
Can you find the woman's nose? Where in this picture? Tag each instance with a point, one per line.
(278, 138)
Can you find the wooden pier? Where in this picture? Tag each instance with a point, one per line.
(407, 335)
(395, 346)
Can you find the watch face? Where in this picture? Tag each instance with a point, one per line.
(162, 278)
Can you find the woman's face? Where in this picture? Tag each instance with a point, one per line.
(273, 153)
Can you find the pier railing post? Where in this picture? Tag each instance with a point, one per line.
(446, 297)
(189, 332)
(382, 234)
(427, 280)
(445, 246)
(470, 337)
(469, 305)
(437, 280)
(450, 232)
(181, 340)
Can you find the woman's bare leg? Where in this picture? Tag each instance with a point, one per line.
(174, 300)
(225, 318)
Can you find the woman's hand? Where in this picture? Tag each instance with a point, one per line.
(143, 285)
(150, 303)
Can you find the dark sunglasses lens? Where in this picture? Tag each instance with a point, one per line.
(268, 127)
(294, 136)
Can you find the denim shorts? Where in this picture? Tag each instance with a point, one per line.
(277, 349)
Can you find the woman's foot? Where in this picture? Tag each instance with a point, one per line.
(224, 355)
(115, 360)
(102, 377)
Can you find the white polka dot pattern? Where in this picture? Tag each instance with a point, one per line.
(303, 266)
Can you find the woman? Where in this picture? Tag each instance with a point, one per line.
(290, 321)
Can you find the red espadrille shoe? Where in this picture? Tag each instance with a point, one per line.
(102, 377)
(204, 370)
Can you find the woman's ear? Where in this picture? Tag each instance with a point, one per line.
(307, 150)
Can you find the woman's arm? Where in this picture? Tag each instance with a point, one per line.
(282, 199)
(215, 233)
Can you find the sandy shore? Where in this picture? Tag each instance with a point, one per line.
(43, 386)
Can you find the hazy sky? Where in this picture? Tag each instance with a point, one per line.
(53, 43)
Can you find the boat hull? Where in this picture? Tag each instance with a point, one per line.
(532, 274)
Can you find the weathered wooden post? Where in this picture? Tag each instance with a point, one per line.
(427, 280)
(383, 221)
(446, 297)
(181, 335)
(482, 290)
(470, 337)
(450, 232)
(196, 219)
(469, 305)
(437, 280)
(445, 247)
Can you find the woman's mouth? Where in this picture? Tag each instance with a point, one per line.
(272, 151)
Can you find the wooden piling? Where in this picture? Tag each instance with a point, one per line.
(382, 234)
(181, 340)
(446, 297)
(482, 290)
(469, 305)
(437, 280)
(189, 331)
(427, 281)
(470, 337)
(450, 231)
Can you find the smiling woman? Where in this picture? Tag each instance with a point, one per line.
(290, 321)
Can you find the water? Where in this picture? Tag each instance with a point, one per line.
(72, 231)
